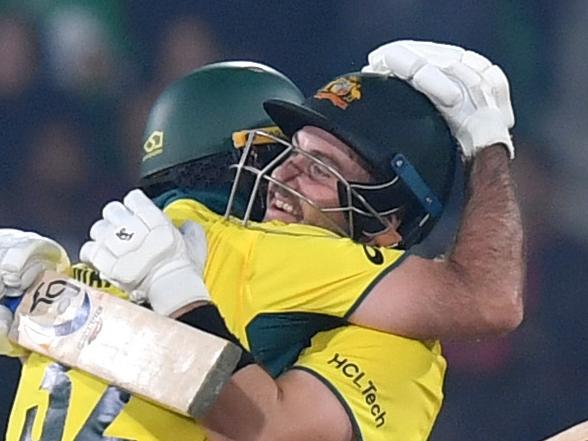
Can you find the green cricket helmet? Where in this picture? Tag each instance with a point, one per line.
(400, 136)
(188, 140)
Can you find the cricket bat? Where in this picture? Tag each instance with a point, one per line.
(126, 345)
(579, 432)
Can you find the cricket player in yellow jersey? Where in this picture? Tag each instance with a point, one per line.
(353, 373)
(54, 402)
(276, 314)
(371, 161)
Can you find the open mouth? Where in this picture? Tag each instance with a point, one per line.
(281, 207)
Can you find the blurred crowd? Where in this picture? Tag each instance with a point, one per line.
(77, 78)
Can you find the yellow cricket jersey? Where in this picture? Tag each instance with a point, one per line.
(286, 291)
(390, 386)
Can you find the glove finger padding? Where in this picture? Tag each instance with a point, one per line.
(475, 61)
(395, 60)
(30, 273)
(99, 229)
(437, 86)
(23, 256)
(497, 80)
(116, 213)
(15, 255)
(139, 204)
(100, 257)
(133, 265)
(126, 231)
(403, 58)
(439, 54)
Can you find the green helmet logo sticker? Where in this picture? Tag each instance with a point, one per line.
(154, 145)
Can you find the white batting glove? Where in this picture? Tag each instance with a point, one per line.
(471, 93)
(136, 247)
(23, 256)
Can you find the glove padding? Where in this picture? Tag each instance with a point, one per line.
(23, 257)
(470, 92)
(138, 249)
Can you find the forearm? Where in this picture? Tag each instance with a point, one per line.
(254, 406)
(488, 252)
(244, 407)
(296, 406)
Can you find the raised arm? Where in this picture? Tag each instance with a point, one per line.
(476, 290)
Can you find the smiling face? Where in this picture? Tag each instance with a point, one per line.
(314, 180)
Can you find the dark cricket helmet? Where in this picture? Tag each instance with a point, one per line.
(401, 137)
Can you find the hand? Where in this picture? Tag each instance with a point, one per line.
(137, 248)
(23, 256)
(469, 91)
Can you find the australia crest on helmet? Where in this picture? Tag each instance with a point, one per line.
(341, 91)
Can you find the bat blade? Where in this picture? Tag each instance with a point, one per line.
(579, 432)
(155, 357)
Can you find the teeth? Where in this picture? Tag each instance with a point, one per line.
(284, 206)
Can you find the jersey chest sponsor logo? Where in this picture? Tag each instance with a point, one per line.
(374, 255)
(367, 387)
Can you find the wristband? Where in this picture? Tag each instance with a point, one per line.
(207, 318)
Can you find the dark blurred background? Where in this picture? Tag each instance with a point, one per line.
(77, 78)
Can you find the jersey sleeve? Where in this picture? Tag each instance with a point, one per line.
(390, 386)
